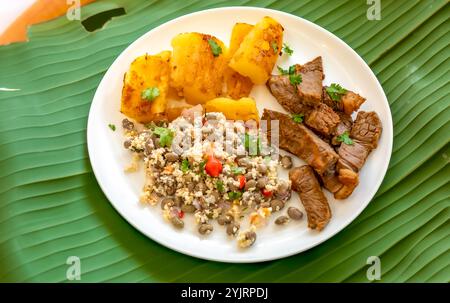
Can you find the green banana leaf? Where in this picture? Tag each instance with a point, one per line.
(51, 207)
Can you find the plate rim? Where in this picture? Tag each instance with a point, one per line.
(386, 129)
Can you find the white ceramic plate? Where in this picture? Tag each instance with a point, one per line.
(341, 65)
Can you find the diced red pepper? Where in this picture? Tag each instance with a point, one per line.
(213, 166)
(181, 214)
(266, 193)
(241, 181)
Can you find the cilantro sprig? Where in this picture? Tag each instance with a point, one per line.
(150, 93)
(345, 138)
(215, 48)
(165, 136)
(234, 195)
(298, 118)
(335, 91)
(185, 166)
(219, 186)
(274, 45)
(294, 78)
(112, 127)
(287, 49)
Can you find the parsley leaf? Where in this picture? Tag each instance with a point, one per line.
(219, 186)
(234, 195)
(298, 118)
(215, 48)
(289, 71)
(335, 91)
(185, 165)
(344, 138)
(165, 136)
(282, 71)
(150, 93)
(112, 127)
(274, 46)
(295, 79)
(237, 170)
(287, 49)
(201, 168)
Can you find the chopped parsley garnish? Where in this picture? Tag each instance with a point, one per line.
(112, 127)
(287, 49)
(289, 71)
(150, 93)
(298, 118)
(335, 91)
(237, 170)
(274, 46)
(219, 186)
(185, 165)
(295, 79)
(344, 138)
(165, 136)
(201, 167)
(234, 195)
(215, 48)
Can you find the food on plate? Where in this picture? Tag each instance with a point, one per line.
(299, 140)
(313, 199)
(230, 187)
(259, 51)
(310, 87)
(341, 99)
(185, 102)
(344, 126)
(197, 66)
(320, 118)
(145, 87)
(243, 109)
(238, 86)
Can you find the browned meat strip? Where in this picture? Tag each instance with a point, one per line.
(367, 129)
(321, 118)
(349, 103)
(316, 205)
(352, 156)
(345, 125)
(365, 133)
(285, 93)
(310, 89)
(302, 142)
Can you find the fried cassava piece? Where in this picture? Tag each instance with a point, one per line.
(197, 66)
(145, 87)
(238, 86)
(258, 52)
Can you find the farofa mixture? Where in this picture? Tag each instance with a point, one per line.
(206, 181)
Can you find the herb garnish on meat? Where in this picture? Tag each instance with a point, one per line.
(345, 138)
(335, 91)
(298, 118)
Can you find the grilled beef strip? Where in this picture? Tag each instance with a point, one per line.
(320, 118)
(302, 142)
(345, 125)
(365, 134)
(313, 199)
(348, 103)
(310, 89)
